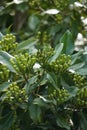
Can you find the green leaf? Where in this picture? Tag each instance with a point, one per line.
(31, 85)
(18, 1)
(85, 57)
(39, 102)
(7, 121)
(33, 22)
(77, 66)
(67, 39)
(83, 121)
(35, 112)
(42, 102)
(4, 86)
(76, 56)
(27, 44)
(82, 71)
(62, 122)
(1, 35)
(52, 80)
(72, 91)
(57, 52)
(5, 59)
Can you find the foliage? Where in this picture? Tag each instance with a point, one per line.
(43, 79)
(45, 89)
(28, 18)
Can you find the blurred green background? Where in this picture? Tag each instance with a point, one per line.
(46, 20)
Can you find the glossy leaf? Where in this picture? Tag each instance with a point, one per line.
(51, 11)
(82, 71)
(35, 113)
(28, 44)
(51, 80)
(68, 42)
(31, 85)
(4, 86)
(76, 56)
(18, 1)
(72, 91)
(5, 59)
(42, 102)
(77, 66)
(57, 52)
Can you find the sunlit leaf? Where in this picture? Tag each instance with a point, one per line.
(18, 1)
(51, 11)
